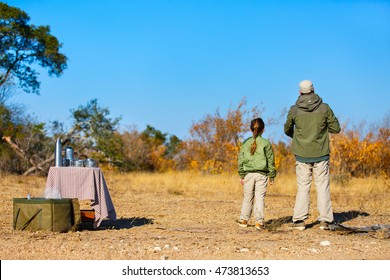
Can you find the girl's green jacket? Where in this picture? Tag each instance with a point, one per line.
(262, 161)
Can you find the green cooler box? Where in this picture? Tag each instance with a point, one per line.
(59, 215)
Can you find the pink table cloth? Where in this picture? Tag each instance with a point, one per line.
(84, 183)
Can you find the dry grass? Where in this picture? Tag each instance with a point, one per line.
(364, 194)
(229, 183)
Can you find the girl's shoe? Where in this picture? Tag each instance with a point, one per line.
(259, 226)
(243, 223)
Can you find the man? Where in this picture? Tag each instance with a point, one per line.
(309, 123)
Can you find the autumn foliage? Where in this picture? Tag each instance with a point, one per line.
(212, 147)
(360, 155)
(215, 142)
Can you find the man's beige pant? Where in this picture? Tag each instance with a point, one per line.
(305, 172)
(255, 187)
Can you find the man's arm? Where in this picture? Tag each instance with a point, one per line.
(289, 124)
(332, 122)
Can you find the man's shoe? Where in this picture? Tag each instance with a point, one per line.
(259, 226)
(325, 225)
(243, 223)
(299, 225)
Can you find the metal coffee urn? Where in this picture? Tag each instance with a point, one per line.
(69, 156)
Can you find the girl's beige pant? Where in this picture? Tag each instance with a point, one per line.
(305, 173)
(255, 187)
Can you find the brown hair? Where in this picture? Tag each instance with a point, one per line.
(257, 126)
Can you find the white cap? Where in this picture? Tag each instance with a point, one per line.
(306, 86)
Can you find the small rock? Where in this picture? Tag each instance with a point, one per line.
(156, 249)
(166, 246)
(325, 243)
(163, 257)
(313, 250)
(244, 250)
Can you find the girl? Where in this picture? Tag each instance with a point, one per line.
(256, 167)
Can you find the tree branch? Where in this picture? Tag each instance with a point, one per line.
(40, 166)
(22, 154)
(15, 147)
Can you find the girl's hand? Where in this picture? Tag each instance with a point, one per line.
(242, 181)
(271, 181)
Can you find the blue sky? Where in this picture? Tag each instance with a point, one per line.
(169, 63)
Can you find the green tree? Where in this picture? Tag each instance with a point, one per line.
(27, 144)
(93, 133)
(22, 46)
(153, 136)
(149, 150)
(173, 146)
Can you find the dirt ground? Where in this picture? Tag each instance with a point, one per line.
(168, 225)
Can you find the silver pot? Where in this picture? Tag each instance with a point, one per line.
(89, 162)
(78, 163)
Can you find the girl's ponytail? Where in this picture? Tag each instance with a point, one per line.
(257, 126)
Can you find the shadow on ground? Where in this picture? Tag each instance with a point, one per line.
(123, 223)
(275, 224)
(339, 218)
(342, 217)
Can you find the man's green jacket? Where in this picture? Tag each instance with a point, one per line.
(309, 123)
